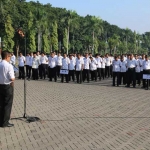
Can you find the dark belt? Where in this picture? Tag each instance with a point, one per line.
(4, 84)
(132, 68)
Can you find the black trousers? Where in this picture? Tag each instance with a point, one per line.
(131, 77)
(146, 83)
(86, 74)
(79, 76)
(66, 77)
(27, 70)
(6, 101)
(40, 71)
(138, 78)
(94, 75)
(71, 75)
(111, 70)
(43, 71)
(29, 74)
(52, 74)
(35, 74)
(123, 78)
(47, 70)
(21, 72)
(58, 71)
(99, 73)
(103, 72)
(107, 71)
(116, 74)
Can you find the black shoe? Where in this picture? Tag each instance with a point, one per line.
(8, 125)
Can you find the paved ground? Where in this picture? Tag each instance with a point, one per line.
(94, 116)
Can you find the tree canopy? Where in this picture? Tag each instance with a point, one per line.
(50, 28)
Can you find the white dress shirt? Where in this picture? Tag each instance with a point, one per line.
(72, 64)
(146, 65)
(13, 59)
(99, 60)
(65, 63)
(141, 64)
(59, 60)
(35, 62)
(123, 65)
(116, 65)
(52, 61)
(43, 59)
(103, 62)
(108, 60)
(111, 60)
(79, 63)
(137, 69)
(93, 65)
(131, 63)
(6, 72)
(87, 62)
(21, 61)
(28, 60)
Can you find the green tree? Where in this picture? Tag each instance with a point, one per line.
(65, 34)
(9, 34)
(54, 36)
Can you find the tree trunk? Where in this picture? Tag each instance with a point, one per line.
(68, 40)
(39, 40)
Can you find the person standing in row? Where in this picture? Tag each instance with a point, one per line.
(103, 62)
(146, 70)
(6, 89)
(93, 69)
(59, 64)
(71, 68)
(79, 68)
(52, 67)
(107, 67)
(137, 70)
(43, 60)
(116, 64)
(65, 66)
(123, 70)
(21, 63)
(13, 59)
(131, 74)
(86, 69)
(35, 66)
(30, 66)
(27, 64)
(99, 65)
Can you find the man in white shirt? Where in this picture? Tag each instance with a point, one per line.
(141, 67)
(99, 65)
(107, 66)
(146, 70)
(123, 70)
(111, 68)
(137, 70)
(38, 55)
(86, 70)
(79, 68)
(6, 89)
(43, 60)
(72, 68)
(103, 62)
(13, 59)
(131, 65)
(30, 65)
(21, 63)
(59, 63)
(27, 64)
(52, 61)
(35, 66)
(116, 70)
(65, 66)
(93, 69)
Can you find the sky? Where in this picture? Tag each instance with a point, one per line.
(132, 14)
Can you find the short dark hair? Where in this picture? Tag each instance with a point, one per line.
(5, 54)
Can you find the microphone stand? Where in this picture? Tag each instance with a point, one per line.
(25, 116)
